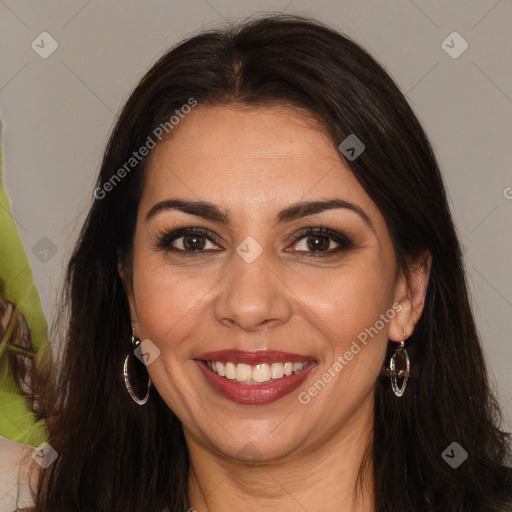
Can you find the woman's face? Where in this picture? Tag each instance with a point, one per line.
(245, 286)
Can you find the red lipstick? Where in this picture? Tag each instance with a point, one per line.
(259, 356)
(254, 394)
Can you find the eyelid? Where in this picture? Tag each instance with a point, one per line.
(344, 242)
(167, 236)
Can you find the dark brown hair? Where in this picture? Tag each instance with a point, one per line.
(117, 456)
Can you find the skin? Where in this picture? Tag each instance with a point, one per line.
(253, 163)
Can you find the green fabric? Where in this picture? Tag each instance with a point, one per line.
(17, 422)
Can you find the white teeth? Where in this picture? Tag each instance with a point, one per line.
(255, 374)
(261, 373)
(276, 370)
(243, 372)
(230, 371)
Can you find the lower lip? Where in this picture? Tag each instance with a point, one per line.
(254, 394)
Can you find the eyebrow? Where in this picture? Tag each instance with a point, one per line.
(212, 212)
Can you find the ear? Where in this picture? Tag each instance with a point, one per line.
(410, 293)
(126, 278)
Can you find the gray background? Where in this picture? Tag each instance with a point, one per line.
(58, 112)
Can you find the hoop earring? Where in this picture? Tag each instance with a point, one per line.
(138, 366)
(401, 357)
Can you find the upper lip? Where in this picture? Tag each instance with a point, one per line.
(253, 357)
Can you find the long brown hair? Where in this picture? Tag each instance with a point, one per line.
(117, 456)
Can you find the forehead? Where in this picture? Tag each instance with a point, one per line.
(257, 158)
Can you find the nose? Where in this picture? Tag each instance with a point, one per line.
(252, 296)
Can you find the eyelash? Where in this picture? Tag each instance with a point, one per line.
(344, 243)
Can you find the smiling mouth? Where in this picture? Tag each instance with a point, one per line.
(262, 373)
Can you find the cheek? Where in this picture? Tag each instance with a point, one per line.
(167, 302)
(349, 300)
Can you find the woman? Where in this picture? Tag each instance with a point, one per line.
(270, 235)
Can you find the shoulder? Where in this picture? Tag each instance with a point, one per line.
(15, 480)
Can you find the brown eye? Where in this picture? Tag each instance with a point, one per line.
(193, 242)
(319, 241)
(189, 240)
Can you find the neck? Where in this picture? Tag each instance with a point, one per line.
(326, 478)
